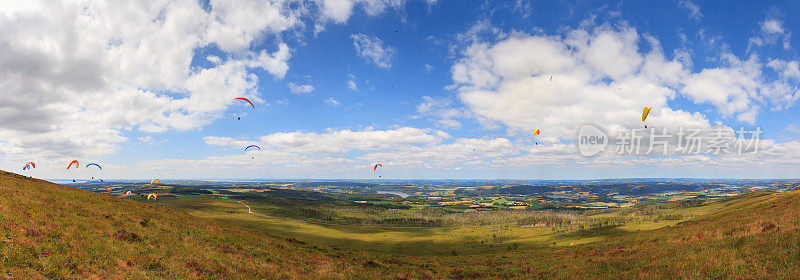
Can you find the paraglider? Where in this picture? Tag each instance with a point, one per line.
(128, 193)
(536, 132)
(155, 181)
(153, 195)
(73, 162)
(252, 146)
(247, 100)
(645, 112)
(95, 164)
(29, 165)
(471, 136)
(376, 167)
(101, 180)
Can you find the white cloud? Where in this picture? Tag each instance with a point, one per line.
(339, 141)
(599, 74)
(771, 32)
(443, 110)
(786, 69)
(300, 89)
(693, 9)
(351, 84)
(340, 10)
(332, 102)
(128, 67)
(372, 49)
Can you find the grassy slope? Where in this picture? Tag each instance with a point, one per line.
(754, 236)
(52, 231)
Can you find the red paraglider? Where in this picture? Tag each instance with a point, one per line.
(245, 99)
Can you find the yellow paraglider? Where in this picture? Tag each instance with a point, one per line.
(536, 132)
(155, 181)
(645, 112)
(153, 195)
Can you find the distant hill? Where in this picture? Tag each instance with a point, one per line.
(49, 231)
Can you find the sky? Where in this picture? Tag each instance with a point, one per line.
(428, 89)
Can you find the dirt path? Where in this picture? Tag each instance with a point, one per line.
(250, 210)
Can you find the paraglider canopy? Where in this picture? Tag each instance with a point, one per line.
(73, 162)
(29, 165)
(95, 164)
(376, 167)
(535, 132)
(153, 195)
(252, 146)
(471, 136)
(645, 112)
(155, 181)
(245, 99)
(128, 193)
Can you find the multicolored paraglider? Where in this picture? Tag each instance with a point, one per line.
(155, 181)
(95, 164)
(471, 136)
(375, 168)
(73, 162)
(645, 112)
(29, 165)
(128, 193)
(153, 195)
(535, 132)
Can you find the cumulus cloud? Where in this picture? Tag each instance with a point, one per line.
(372, 49)
(339, 141)
(81, 73)
(599, 74)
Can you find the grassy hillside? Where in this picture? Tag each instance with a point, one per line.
(52, 231)
(754, 236)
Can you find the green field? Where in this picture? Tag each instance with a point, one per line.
(465, 233)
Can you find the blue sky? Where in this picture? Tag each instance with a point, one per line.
(341, 85)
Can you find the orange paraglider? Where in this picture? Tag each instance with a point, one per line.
(645, 112)
(73, 162)
(153, 195)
